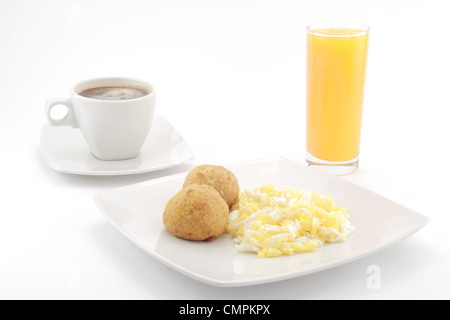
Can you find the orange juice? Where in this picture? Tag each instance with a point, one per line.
(336, 67)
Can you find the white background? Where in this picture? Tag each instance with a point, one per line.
(230, 77)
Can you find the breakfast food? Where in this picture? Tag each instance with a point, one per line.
(218, 177)
(274, 222)
(197, 212)
(200, 211)
(266, 220)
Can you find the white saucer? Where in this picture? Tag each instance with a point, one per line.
(65, 150)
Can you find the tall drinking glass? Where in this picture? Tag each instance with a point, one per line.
(336, 71)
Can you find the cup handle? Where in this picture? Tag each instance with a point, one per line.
(68, 119)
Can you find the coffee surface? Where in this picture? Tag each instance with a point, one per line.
(113, 93)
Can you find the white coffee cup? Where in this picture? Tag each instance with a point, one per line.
(113, 129)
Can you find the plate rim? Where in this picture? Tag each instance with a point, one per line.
(262, 280)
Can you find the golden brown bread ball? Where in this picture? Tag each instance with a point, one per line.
(218, 177)
(197, 212)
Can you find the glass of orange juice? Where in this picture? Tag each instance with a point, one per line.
(336, 71)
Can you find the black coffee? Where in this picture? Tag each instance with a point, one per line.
(114, 93)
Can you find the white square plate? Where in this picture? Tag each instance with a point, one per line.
(136, 211)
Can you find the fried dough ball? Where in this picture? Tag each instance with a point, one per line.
(218, 177)
(197, 212)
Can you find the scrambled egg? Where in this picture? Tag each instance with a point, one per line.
(274, 222)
